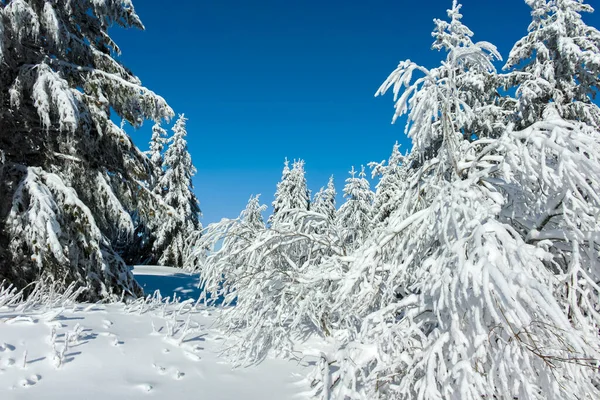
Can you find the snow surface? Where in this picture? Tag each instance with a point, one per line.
(119, 352)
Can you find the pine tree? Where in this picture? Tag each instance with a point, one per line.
(177, 190)
(354, 216)
(557, 62)
(71, 177)
(389, 187)
(272, 276)
(324, 201)
(221, 253)
(292, 193)
(139, 250)
(449, 299)
(157, 145)
(252, 215)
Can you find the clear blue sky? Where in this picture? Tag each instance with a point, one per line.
(268, 79)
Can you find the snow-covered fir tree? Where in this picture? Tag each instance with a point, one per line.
(252, 215)
(354, 216)
(484, 108)
(273, 274)
(157, 146)
(388, 189)
(175, 186)
(221, 253)
(557, 62)
(140, 249)
(71, 177)
(324, 200)
(292, 192)
(451, 300)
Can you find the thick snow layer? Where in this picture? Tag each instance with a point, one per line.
(118, 352)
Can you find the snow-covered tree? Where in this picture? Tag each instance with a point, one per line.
(157, 146)
(324, 200)
(177, 190)
(292, 192)
(252, 215)
(72, 177)
(450, 299)
(556, 208)
(139, 250)
(273, 278)
(220, 254)
(389, 187)
(557, 62)
(485, 109)
(553, 185)
(354, 216)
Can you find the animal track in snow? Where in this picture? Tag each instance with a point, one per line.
(161, 370)
(32, 380)
(7, 362)
(179, 374)
(6, 347)
(146, 387)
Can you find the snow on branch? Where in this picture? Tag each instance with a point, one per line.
(52, 96)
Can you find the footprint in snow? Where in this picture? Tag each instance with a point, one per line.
(32, 380)
(8, 362)
(6, 347)
(146, 387)
(161, 370)
(179, 375)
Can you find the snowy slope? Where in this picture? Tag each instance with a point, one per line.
(130, 352)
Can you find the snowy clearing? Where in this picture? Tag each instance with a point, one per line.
(129, 352)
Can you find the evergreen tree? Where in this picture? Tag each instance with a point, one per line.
(177, 190)
(281, 198)
(449, 296)
(140, 249)
(557, 62)
(354, 216)
(71, 177)
(272, 276)
(324, 201)
(252, 215)
(292, 193)
(157, 145)
(221, 253)
(389, 187)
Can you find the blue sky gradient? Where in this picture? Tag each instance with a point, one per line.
(264, 80)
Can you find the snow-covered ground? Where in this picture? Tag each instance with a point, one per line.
(144, 350)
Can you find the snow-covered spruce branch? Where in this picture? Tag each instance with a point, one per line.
(44, 212)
